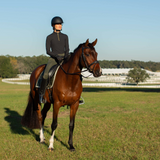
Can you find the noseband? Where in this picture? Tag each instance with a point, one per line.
(84, 60)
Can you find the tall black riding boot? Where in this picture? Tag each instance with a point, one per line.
(42, 90)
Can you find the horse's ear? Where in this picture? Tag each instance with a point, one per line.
(94, 43)
(87, 42)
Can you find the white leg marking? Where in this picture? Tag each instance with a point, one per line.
(42, 138)
(51, 141)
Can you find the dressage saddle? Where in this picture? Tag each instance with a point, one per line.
(51, 76)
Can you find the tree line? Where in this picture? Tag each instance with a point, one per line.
(151, 66)
(11, 66)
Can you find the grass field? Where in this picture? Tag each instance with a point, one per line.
(113, 123)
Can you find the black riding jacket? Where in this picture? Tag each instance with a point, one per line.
(57, 43)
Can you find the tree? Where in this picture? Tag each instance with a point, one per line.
(6, 68)
(13, 61)
(137, 75)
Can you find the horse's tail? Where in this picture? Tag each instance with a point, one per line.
(30, 117)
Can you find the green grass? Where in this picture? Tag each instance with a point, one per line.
(114, 123)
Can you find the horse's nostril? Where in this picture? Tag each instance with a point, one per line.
(97, 73)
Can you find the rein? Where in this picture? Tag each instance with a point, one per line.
(87, 66)
(77, 73)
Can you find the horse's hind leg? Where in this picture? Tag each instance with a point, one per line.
(44, 111)
(38, 110)
(40, 123)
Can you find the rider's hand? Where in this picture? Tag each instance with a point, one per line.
(59, 59)
(65, 57)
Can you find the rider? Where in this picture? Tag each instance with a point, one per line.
(57, 47)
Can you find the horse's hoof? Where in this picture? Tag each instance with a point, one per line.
(72, 149)
(50, 149)
(43, 142)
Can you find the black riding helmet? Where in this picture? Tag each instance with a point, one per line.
(56, 20)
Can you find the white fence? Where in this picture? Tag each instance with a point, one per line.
(120, 84)
(21, 77)
(11, 81)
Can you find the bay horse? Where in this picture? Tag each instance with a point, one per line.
(66, 90)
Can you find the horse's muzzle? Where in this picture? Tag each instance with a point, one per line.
(97, 72)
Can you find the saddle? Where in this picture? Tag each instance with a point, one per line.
(51, 77)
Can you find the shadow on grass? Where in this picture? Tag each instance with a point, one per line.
(96, 89)
(14, 120)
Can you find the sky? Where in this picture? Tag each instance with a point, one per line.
(125, 29)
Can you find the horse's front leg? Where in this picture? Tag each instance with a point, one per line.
(53, 126)
(73, 110)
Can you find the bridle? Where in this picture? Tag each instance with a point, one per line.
(84, 60)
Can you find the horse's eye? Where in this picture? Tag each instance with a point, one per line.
(87, 55)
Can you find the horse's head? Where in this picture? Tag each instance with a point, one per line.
(89, 58)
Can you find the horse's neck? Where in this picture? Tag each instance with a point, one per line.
(73, 64)
(73, 67)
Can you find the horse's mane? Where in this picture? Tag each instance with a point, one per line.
(89, 45)
(75, 50)
(73, 53)
(78, 47)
